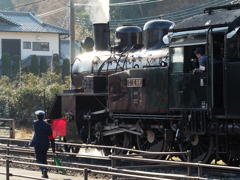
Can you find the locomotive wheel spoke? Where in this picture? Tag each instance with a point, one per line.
(186, 147)
(119, 140)
(152, 140)
(67, 148)
(201, 149)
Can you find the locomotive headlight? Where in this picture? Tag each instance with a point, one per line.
(165, 39)
(171, 27)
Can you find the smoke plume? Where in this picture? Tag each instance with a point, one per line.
(98, 11)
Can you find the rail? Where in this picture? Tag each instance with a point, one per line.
(116, 171)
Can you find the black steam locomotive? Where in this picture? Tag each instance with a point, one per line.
(143, 93)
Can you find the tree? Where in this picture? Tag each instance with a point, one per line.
(56, 64)
(65, 68)
(16, 65)
(43, 65)
(34, 64)
(20, 102)
(6, 65)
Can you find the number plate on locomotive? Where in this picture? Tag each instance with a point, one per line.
(134, 82)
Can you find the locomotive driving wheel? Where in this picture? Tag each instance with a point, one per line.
(152, 140)
(119, 140)
(67, 148)
(201, 149)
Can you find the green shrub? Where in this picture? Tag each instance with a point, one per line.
(6, 65)
(16, 66)
(65, 68)
(34, 65)
(56, 64)
(43, 65)
(22, 101)
(67, 81)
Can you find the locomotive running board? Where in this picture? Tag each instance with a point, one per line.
(120, 130)
(143, 116)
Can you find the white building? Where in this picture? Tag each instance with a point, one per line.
(25, 34)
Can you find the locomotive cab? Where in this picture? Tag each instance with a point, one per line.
(205, 90)
(209, 101)
(189, 90)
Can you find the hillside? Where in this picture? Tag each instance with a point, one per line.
(116, 12)
(43, 7)
(6, 4)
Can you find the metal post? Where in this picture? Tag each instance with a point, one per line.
(7, 169)
(12, 129)
(113, 162)
(199, 169)
(72, 35)
(8, 147)
(189, 160)
(44, 101)
(85, 174)
(72, 30)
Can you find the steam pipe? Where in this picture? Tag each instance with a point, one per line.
(232, 129)
(127, 56)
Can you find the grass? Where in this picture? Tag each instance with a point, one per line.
(21, 133)
(24, 133)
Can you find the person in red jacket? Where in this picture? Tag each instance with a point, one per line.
(40, 140)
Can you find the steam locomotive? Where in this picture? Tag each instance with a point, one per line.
(143, 93)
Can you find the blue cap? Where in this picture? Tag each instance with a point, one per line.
(199, 50)
(39, 112)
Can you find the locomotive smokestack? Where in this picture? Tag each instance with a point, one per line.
(101, 36)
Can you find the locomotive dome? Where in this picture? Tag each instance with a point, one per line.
(154, 31)
(128, 35)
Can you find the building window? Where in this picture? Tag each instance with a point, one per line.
(26, 45)
(40, 46)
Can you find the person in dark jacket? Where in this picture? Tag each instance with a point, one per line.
(202, 58)
(40, 140)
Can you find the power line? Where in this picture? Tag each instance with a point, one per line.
(122, 4)
(52, 12)
(25, 5)
(134, 3)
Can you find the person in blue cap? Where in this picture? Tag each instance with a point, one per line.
(40, 140)
(202, 58)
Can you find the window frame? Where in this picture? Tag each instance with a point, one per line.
(29, 42)
(40, 46)
(173, 70)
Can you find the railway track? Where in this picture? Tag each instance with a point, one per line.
(24, 154)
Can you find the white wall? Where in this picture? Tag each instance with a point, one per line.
(52, 39)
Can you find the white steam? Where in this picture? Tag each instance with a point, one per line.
(98, 11)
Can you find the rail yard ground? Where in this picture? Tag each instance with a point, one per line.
(72, 160)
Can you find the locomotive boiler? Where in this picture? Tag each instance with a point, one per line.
(86, 104)
(144, 94)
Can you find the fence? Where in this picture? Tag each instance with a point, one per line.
(116, 171)
(11, 127)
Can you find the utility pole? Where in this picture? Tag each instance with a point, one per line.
(72, 31)
(72, 36)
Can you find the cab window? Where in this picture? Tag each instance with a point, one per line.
(234, 48)
(177, 59)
